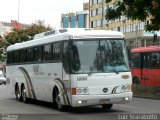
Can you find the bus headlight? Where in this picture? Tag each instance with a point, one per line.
(82, 91)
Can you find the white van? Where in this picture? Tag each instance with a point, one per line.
(2, 78)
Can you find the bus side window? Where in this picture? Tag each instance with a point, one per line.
(16, 56)
(29, 54)
(135, 60)
(145, 60)
(38, 53)
(47, 52)
(155, 60)
(9, 57)
(23, 55)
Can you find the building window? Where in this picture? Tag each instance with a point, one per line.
(99, 1)
(118, 29)
(99, 11)
(94, 2)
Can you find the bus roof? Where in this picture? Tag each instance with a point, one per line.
(66, 34)
(146, 49)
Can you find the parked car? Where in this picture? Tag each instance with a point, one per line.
(2, 78)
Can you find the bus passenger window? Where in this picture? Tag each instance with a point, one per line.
(47, 52)
(29, 55)
(23, 55)
(155, 60)
(16, 56)
(57, 51)
(38, 53)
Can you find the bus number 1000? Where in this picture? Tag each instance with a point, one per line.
(81, 78)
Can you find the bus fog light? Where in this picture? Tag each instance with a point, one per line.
(126, 98)
(80, 102)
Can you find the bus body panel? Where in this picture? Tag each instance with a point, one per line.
(111, 82)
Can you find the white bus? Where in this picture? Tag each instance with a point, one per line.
(71, 67)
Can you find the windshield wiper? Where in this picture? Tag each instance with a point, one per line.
(114, 69)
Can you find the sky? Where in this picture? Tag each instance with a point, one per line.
(31, 10)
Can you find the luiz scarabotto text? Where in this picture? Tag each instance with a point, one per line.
(138, 116)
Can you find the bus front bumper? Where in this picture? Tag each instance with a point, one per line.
(88, 100)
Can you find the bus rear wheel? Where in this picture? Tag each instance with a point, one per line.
(24, 96)
(18, 95)
(107, 106)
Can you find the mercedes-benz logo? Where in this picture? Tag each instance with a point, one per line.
(105, 90)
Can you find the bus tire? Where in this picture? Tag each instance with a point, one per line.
(24, 96)
(57, 100)
(107, 106)
(136, 80)
(17, 93)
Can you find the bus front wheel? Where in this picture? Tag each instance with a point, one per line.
(57, 100)
(107, 106)
(136, 80)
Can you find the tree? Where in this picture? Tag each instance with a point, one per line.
(137, 10)
(35, 29)
(24, 34)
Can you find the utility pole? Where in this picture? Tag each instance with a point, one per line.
(18, 9)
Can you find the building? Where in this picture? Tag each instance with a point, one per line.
(68, 20)
(134, 31)
(79, 19)
(6, 27)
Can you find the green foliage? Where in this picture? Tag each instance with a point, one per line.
(20, 35)
(35, 29)
(24, 34)
(137, 10)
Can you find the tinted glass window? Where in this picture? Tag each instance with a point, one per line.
(136, 60)
(38, 53)
(23, 55)
(57, 51)
(16, 56)
(10, 57)
(66, 57)
(29, 55)
(155, 60)
(47, 52)
(145, 60)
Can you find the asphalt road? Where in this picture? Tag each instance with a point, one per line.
(37, 110)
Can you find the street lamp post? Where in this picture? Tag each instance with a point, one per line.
(18, 9)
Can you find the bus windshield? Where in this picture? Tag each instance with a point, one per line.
(103, 55)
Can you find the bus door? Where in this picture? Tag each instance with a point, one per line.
(145, 60)
(66, 66)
